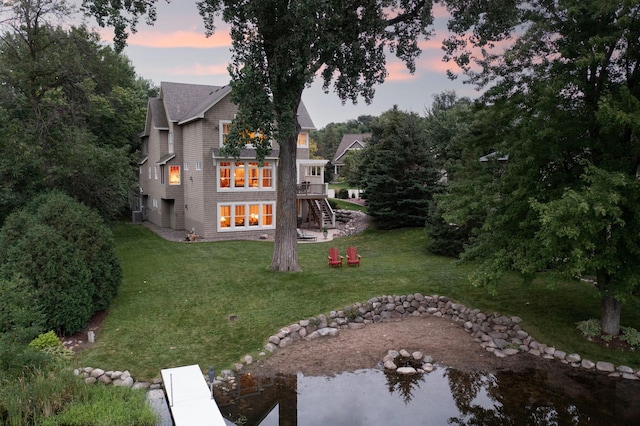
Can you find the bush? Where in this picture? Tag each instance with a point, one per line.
(66, 253)
(343, 194)
(631, 336)
(50, 344)
(589, 328)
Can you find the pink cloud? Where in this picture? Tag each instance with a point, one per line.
(179, 39)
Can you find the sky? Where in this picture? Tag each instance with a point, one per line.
(175, 49)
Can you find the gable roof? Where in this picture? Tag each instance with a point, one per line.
(187, 102)
(350, 141)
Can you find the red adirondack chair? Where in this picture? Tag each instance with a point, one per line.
(334, 257)
(353, 258)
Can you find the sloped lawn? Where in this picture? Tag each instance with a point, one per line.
(177, 301)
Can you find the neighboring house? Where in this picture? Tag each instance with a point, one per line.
(349, 142)
(186, 184)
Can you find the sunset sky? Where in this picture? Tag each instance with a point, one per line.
(175, 49)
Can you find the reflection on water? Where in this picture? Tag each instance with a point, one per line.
(445, 396)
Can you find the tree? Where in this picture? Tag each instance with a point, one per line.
(279, 46)
(563, 107)
(66, 254)
(69, 110)
(399, 177)
(329, 137)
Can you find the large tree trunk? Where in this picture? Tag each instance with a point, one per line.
(285, 250)
(610, 309)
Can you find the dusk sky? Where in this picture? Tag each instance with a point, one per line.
(176, 50)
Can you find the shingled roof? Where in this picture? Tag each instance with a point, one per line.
(187, 102)
(348, 142)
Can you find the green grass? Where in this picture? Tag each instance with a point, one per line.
(174, 304)
(339, 185)
(346, 205)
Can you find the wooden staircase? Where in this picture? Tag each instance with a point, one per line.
(321, 213)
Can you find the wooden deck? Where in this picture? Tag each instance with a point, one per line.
(189, 397)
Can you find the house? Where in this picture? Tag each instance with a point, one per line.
(349, 142)
(187, 184)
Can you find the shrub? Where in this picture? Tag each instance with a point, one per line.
(589, 328)
(343, 194)
(631, 336)
(66, 253)
(50, 344)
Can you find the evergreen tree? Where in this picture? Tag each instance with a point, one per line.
(399, 174)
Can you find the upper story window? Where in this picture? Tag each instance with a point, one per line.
(245, 175)
(225, 128)
(170, 143)
(303, 140)
(198, 165)
(314, 171)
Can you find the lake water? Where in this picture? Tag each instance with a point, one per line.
(554, 396)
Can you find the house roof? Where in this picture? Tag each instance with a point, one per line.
(187, 102)
(348, 142)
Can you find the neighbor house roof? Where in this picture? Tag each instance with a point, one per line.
(350, 141)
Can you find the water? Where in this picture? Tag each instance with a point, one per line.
(553, 396)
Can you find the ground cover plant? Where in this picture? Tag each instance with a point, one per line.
(211, 303)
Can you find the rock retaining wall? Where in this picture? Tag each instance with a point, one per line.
(498, 334)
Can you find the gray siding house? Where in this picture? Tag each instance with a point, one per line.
(350, 142)
(185, 184)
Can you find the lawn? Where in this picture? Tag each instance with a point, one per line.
(176, 299)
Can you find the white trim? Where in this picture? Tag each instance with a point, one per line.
(247, 165)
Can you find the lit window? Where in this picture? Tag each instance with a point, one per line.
(244, 216)
(224, 171)
(225, 216)
(302, 140)
(239, 215)
(238, 175)
(225, 127)
(174, 175)
(267, 175)
(254, 215)
(253, 175)
(267, 215)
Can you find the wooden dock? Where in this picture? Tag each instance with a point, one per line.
(189, 397)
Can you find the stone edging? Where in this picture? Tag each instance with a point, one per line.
(496, 333)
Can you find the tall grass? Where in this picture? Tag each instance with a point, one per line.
(177, 299)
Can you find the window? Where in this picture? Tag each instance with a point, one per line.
(186, 166)
(224, 126)
(243, 175)
(225, 216)
(149, 172)
(155, 172)
(198, 165)
(314, 171)
(245, 216)
(174, 175)
(162, 173)
(302, 140)
(238, 174)
(170, 142)
(224, 171)
(155, 203)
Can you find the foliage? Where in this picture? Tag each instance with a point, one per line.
(399, 174)
(562, 107)
(342, 194)
(102, 405)
(66, 253)
(351, 169)
(70, 108)
(50, 344)
(589, 328)
(19, 317)
(631, 336)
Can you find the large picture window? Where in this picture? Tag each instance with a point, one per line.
(245, 216)
(245, 175)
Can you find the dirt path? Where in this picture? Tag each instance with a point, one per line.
(446, 342)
